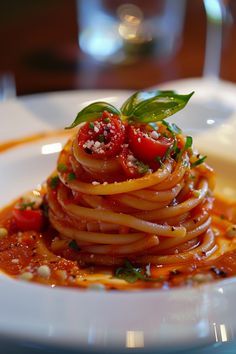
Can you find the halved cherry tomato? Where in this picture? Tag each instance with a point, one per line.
(28, 219)
(103, 137)
(144, 147)
(130, 165)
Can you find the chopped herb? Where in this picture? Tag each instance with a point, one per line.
(132, 274)
(142, 168)
(192, 177)
(196, 193)
(54, 182)
(185, 163)
(169, 150)
(176, 152)
(172, 127)
(106, 120)
(91, 125)
(129, 273)
(24, 206)
(198, 162)
(73, 245)
(167, 153)
(159, 160)
(101, 138)
(71, 176)
(61, 167)
(153, 125)
(188, 144)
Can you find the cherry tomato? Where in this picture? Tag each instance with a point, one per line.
(28, 219)
(144, 146)
(103, 137)
(130, 165)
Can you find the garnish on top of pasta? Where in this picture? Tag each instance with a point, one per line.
(131, 186)
(131, 193)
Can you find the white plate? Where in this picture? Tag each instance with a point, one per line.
(39, 316)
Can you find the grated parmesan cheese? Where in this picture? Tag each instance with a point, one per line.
(44, 271)
(26, 276)
(154, 135)
(95, 183)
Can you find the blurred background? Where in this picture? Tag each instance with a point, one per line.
(53, 45)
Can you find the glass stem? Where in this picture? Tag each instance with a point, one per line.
(215, 11)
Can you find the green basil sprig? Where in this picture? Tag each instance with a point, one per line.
(141, 107)
(92, 112)
(153, 106)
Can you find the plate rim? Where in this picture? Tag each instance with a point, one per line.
(209, 288)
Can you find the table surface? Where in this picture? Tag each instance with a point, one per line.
(39, 47)
(38, 42)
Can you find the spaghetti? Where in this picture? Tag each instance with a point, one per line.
(130, 205)
(117, 201)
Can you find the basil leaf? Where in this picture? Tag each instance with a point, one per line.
(159, 107)
(129, 105)
(92, 112)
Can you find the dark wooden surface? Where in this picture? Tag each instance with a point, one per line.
(38, 41)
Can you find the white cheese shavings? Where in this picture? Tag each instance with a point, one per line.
(44, 271)
(15, 260)
(96, 286)
(26, 276)
(154, 135)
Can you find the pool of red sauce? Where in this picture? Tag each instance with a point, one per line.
(22, 252)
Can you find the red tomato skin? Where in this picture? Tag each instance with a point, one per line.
(114, 139)
(144, 147)
(130, 171)
(28, 219)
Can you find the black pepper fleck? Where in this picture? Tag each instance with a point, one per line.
(88, 151)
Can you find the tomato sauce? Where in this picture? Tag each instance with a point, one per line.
(30, 255)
